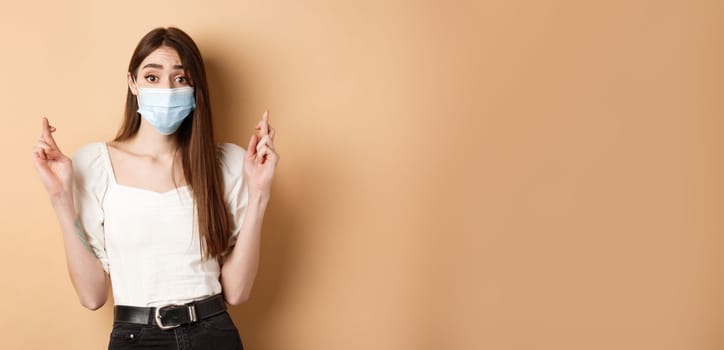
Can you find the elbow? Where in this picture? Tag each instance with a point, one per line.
(236, 298)
(92, 304)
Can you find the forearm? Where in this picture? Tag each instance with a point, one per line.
(240, 266)
(86, 272)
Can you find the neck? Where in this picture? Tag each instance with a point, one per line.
(149, 142)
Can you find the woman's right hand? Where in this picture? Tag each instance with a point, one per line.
(54, 168)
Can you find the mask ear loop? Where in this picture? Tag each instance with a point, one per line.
(138, 92)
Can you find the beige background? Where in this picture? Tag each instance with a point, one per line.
(453, 175)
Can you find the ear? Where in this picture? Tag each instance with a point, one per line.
(131, 85)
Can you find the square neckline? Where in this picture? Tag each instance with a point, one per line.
(112, 176)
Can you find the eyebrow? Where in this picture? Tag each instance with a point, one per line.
(156, 65)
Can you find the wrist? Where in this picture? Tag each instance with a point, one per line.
(61, 200)
(259, 198)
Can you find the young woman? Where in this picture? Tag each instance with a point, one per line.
(162, 213)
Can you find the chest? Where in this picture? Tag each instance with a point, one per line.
(155, 175)
(140, 220)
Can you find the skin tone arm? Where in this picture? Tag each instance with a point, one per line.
(90, 281)
(239, 268)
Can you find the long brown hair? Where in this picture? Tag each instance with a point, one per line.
(195, 138)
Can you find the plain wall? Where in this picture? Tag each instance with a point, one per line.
(453, 174)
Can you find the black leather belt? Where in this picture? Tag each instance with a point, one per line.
(171, 316)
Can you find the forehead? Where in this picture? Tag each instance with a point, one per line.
(164, 55)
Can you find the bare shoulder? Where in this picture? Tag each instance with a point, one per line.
(117, 147)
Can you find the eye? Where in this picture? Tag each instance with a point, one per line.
(152, 78)
(182, 80)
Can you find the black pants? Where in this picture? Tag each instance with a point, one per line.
(215, 332)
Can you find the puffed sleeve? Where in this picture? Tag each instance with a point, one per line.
(90, 180)
(236, 191)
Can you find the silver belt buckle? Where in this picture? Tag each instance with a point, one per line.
(159, 322)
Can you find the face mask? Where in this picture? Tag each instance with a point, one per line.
(165, 109)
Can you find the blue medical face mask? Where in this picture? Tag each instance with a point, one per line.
(165, 109)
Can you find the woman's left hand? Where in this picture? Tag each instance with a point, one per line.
(261, 159)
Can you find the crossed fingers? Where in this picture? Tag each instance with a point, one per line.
(264, 148)
(46, 148)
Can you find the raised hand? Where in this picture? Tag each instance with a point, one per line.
(54, 168)
(261, 159)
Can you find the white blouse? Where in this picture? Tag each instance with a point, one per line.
(148, 241)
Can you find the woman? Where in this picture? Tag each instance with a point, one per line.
(169, 218)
